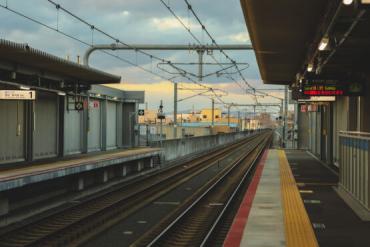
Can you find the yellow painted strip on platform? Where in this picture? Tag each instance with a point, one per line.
(298, 228)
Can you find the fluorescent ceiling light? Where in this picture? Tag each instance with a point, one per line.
(324, 44)
(347, 2)
(61, 94)
(310, 67)
(24, 88)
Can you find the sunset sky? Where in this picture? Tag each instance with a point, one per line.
(140, 22)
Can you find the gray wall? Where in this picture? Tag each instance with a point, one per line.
(73, 129)
(32, 130)
(303, 130)
(177, 148)
(128, 124)
(111, 125)
(45, 134)
(12, 129)
(95, 127)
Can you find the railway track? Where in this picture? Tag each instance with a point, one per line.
(209, 213)
(76, 224)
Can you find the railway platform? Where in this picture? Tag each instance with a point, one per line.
(293, 201)
(13, 178)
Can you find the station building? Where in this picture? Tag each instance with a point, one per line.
(61, 130)
(69, 113)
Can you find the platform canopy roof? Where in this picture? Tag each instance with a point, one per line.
(286, 36)
(22, 54)
(281, 32)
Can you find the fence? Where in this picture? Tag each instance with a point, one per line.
(177, 148)
(354, 165)
(151, 133)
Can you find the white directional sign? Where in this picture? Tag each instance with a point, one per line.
(153, 130)
(143, 130)
(18, 94)
(318, 99)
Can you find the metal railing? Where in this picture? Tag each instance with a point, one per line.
(354, 169)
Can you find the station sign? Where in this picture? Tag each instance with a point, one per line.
(18, 94)
(303, 108)
(318, 99)
(141, 112)
(79, 105)
(94, 104)
(338, 89)
(312, 108)
(143, 130)
(309, 108)
(153, 130)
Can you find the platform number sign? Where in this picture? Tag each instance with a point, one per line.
(79, 105)
(18, 94)
(141, 112)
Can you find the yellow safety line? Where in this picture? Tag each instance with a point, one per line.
(298, 228)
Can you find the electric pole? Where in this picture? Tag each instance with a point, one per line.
(175, 110)
(213, 112)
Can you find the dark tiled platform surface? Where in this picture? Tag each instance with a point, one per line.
(335, 224)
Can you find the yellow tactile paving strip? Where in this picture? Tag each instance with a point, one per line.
(298, 228)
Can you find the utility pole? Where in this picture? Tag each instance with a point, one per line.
(239, 125)
(161, 117)
(200, 66)
(228, 115)
(213, 112)
(254, 114)
(175, 110)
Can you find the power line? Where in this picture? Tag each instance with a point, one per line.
(200, 43)
(90, 45)
(222, 51)
(117, 40)
(77, 39)
(95, 28)
(181, 22)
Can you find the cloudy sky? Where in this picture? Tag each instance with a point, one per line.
(139, 22)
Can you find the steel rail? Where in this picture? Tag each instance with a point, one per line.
(40, 239)
(198, 200)
(242, 181)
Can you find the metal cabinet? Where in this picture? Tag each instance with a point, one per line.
(12, 131)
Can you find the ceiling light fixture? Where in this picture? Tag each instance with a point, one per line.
(324, 43)
(347, 2)
(24, 88)
(310, 67)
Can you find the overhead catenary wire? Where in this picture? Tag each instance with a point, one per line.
(167, 6)
(77, 39)
(51, 28)
(117, 40)
(222, 51)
